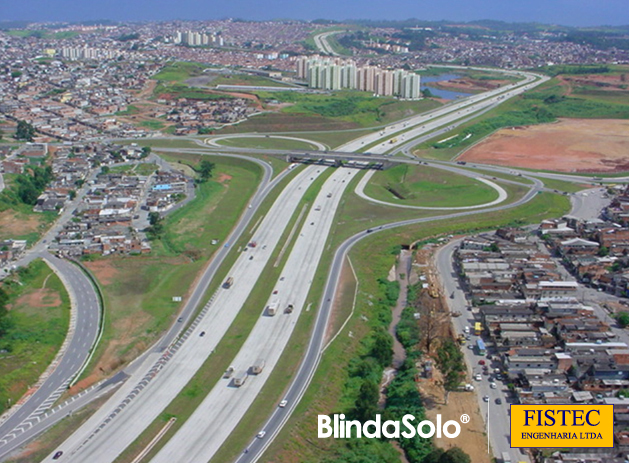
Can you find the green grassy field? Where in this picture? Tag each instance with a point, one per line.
(39, 318)
(179, 71)
(562, 186)
(266, 143)
(425, 186)
(244, 79)
(152, 124)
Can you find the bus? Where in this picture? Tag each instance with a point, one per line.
(477, 328)
(480, 347)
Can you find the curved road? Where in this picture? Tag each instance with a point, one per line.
(360, 191)
(86, 321)
(313, 354)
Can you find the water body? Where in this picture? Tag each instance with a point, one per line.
(440, 93)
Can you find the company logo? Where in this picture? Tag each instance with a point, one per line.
(562, 425)
(339, 428)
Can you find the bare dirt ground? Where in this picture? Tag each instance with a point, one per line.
(570, 145)
(103, 270)
(614, 82)
(39, 298)
(14, 223)
(470, 85)
(222, 178)
(472, 439)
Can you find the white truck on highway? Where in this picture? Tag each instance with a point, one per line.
(272, 308)
(240, 378)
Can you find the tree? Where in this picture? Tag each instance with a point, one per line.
(623, 319)
(72, 194)
(366, 405)
(205, 170)
(382, 347)
(104, 170)
(24, 131)
(156, 226)
(454, 455)
(146, 150)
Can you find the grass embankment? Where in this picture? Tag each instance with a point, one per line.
(36, 326)
(245, 80)
(179, 71)
(333, 390)
(562, 186)
(203, 381)
(18, 221)
(544, 104)
(262, 142)
(138, 290)
(334, 111)
(422, 186)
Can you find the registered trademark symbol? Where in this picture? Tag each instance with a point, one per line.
(465, 418)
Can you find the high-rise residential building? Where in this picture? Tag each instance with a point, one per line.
(335, 73)
(197, 39)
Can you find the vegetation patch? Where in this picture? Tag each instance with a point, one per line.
(426, 186)
(34, 318)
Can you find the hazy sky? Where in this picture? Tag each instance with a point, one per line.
(565, 12)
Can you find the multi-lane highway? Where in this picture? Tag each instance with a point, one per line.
(223, 408)
(321, 42)
(127, 414)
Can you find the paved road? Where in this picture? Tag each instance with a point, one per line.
(116, 425)
(495, 415)
(360, 191)
(321, 41)
(86, 318)
(221, 411)
(213, 141)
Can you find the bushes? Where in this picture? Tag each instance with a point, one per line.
(407, 330)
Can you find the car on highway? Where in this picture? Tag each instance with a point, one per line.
(261, 434)
(283, 403)
(57, 455)
(180, 319)
(202, 333)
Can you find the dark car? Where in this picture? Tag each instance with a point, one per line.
(498, 401)
(57, 455)
(202, 333)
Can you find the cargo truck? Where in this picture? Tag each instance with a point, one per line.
(240, 378)
(272, 308)
(258, 366)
